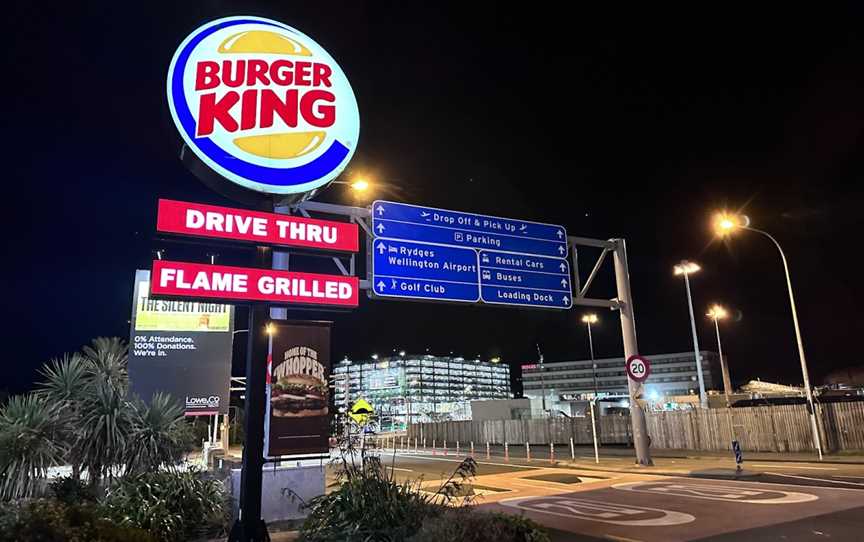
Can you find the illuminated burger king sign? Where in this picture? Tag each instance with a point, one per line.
(263, 105)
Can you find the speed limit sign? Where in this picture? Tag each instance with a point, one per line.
(638, 368)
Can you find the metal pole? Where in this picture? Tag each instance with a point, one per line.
(593, 365)
(727, 382)
(594, 432)
(628, 332)
(249, 527)
(542, 379)
(811, 407)
(703, 397)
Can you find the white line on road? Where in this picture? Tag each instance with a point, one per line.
(397, 468)
(818, 479)
(620, 538)
(847, 476)
(792, 467)
(460, 460)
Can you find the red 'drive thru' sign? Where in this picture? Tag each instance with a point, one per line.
(199, 220)
(248, 284)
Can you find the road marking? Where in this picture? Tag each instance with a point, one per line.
(848, 476)
(818, 479)
(716, 492)
(619, 538)
(397, 468)
(600, 511)
(426, 457)
(792, 467)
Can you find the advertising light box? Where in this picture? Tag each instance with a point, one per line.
(211, 221)
(193, 280)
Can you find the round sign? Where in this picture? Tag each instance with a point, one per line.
(263, 105)
(638, 368)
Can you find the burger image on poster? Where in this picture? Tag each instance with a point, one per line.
(298, 386)
(263, 107)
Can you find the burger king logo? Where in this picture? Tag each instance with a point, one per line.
(263, 105)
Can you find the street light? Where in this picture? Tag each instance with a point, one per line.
(589, 319)
(687, 268)
(717, 313)
(726, 224)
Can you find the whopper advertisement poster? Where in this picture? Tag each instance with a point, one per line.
(181, 348)
(298, 417)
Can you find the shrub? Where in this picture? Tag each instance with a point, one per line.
(170, 505)
(47, 520)
(370, 505)
(470, 525)
(70, 491)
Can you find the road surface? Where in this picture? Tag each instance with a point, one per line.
(584, 501)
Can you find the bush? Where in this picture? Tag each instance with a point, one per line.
(468, 525)
(71, 491)
(370, 505)
(45, 520)
(170, 505)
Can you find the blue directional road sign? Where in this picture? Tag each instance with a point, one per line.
(515, 279)
(431, 225)
(424, 271)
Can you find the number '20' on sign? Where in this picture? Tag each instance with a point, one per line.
(638, 368)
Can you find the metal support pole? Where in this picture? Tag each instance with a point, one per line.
(811, 406)
(703, 397)
(592, 405)
(593, 365)
(724, 369)
(249, 527)
(628, 332)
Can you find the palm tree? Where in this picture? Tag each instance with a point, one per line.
(159, 435)
(29, 445)
(66, 383)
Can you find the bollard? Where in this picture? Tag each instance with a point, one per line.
(487, 449)
(551, 452)
(415, 445)
(445, 447)
(433, 446)
(572, 450)
(527, 451)
(506, 452)
(424, 443)
(457, 447)
(472, 448)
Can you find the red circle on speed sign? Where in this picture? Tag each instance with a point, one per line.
(638, 368)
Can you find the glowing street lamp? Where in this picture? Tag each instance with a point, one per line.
(589, 319)
(687, 268)
(717, 313)
(728, 223)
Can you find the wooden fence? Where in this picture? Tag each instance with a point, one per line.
(783, 428)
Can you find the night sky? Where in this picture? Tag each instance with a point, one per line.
(613, 123)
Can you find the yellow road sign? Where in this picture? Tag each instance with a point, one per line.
(360, 411)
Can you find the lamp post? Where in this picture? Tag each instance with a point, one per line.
(589, 319)
(687, 268)
(726, 224)
(717, 313)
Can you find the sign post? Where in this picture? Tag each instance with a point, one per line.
(628, 332)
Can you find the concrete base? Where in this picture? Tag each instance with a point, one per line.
(277, 501)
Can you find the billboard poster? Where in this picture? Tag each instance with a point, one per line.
(298, 413)
(182, 348)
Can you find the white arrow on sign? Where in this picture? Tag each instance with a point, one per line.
(380, 228)
(564, 282)
(381, 285)
(560, 234)
(566, 300)
(563, 267)
(380, 210)
(381, 248)
(561, 250)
